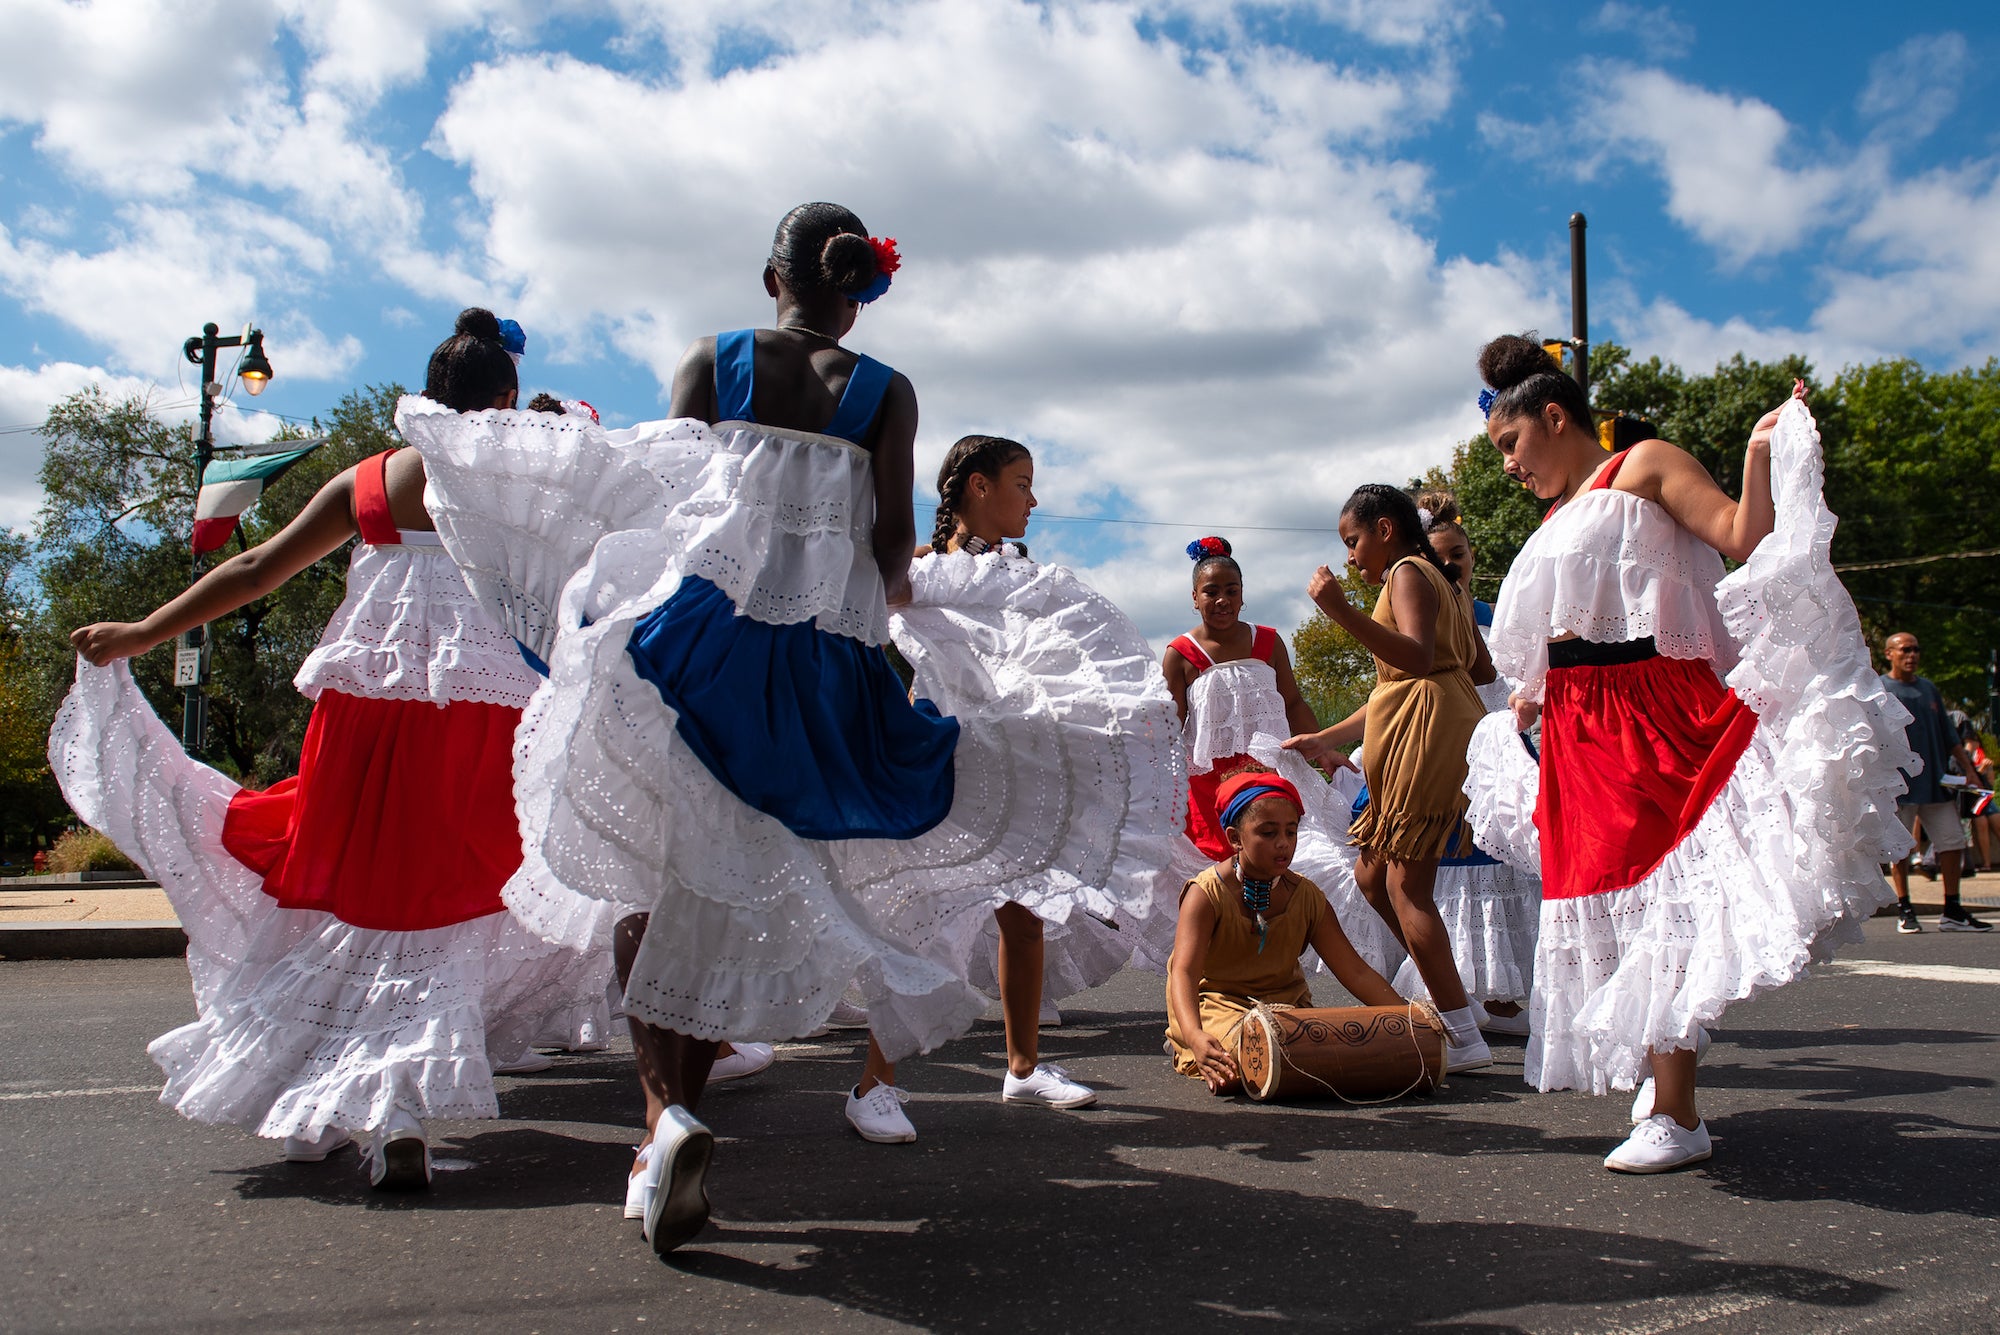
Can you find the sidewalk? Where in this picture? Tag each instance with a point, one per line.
(49, 918)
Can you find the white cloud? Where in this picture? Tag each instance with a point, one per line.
(1912, 89)
(1662, 36)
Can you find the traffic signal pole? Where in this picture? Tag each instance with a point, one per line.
(1579, 305)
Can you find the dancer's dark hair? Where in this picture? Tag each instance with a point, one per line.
(546, 402)
(471, 369)
(1373, 501)
(821, 248)
(1525, 379)
(1212, 551)
(1443, 509)
(984, 455)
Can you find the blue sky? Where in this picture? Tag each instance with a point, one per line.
(1218, 262)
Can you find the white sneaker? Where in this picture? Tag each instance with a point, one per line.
(1658, 1145)
(644, 1181)
(679, 1206)
(1514, 1026)
(1471, 1056)
(526, 1064)
(1050, 1017)
(1642, 1102)
(298, 1149)
(878, 1115)
(398, 1157)
(747, 1059)
(1048, 1085)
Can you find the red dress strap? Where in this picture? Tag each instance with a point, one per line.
(1191, 651)
(371, 502)
(1263, 643)
(1610, 473)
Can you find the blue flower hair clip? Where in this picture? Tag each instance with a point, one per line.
(514, 339)
(1486, 398)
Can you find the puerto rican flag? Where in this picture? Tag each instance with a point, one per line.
(231, 486)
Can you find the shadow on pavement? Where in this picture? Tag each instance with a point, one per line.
(1909, 1163)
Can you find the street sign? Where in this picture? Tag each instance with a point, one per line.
(187, 666)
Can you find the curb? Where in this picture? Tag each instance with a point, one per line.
(90, 940)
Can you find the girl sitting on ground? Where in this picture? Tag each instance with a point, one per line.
(1243, 925)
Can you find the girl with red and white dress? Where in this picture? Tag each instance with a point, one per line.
(355, 971)
(1717, 781)
(1238, 700)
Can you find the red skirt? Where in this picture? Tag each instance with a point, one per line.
(401, 817)
(1204, 822)
(1633, 755)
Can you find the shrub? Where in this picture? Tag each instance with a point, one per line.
(87, 850)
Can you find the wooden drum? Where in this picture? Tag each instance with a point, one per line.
(1360, 1054)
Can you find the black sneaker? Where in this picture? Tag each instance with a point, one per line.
(1956, 919)
(1906, 921)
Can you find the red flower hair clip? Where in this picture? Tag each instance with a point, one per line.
(886, 258)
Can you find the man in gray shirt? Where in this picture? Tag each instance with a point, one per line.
(1931, 802)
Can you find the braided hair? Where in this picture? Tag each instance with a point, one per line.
(984, 455)
(823, 248)
(1525, 379)
(1373, 501)
(471, 369)
(1212, 551)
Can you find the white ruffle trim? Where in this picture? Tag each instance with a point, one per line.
(1229, 705)
(332, 1025)
(520, 498)
(1504, 784)
(303, 1021)
(1492, 914)
(1608, 566)
(409, 629)
(761, 930)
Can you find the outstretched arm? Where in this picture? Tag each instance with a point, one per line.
(325, 523)
(1413, 649)
(1670, 475)
(1193, 932)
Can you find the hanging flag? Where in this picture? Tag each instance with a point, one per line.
(231, 486)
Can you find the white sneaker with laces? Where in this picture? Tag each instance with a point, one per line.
(298, 1149)
(679, 1206)
(1514, 1026)
(398, 1157)
(850, 1012)
(1048, 1085)
(1642, 1102)
(878, 1115)
(1050, 1017)
(1473, 1056)
(644, 1181)
(526, 1064)
(747, 1059)
(1660, 1144)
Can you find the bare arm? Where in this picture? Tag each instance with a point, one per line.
(694, 383)
(325, 523)
(1323, 748)
(1340, 956)
(895, 479)
(1175, 669)
(1415, 604)
(1482, 670)
(1673, 477)
(1299, 716)
(1192, 935)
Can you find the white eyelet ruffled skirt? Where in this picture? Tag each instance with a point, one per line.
(303, 1022)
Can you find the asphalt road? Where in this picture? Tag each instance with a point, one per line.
(1855, 1185)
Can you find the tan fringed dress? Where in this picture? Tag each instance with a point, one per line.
(1238, 975)
(1413, 752)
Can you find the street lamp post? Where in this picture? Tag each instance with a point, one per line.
(191, 655)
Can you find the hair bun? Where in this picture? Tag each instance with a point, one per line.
(1512, 358)
(1443, 507)
(478, 322)
(847, 262)
(1201, 549)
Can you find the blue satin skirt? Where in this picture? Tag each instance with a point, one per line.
(809, 727)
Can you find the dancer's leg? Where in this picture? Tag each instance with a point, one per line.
(1673, 1085)
(673, 1068)
(1423, 933)
(1021, 953)
(1372, 875)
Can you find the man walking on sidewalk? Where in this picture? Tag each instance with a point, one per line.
(1929, 801)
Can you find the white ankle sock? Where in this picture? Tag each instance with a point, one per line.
(1459, 1026)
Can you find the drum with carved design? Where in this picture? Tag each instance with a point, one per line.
(1360, 1054)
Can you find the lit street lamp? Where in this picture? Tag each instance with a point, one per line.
(191, 655)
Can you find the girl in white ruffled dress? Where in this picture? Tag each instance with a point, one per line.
(988, 630)
(354, 969)
(722, 743)
(1698, 839)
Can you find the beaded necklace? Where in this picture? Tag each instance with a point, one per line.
(1256, 898)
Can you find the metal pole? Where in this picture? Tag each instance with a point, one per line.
(192, 703)
(1579, 304)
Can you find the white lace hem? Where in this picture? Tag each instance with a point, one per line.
(1492, 914)
(1503, 784)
